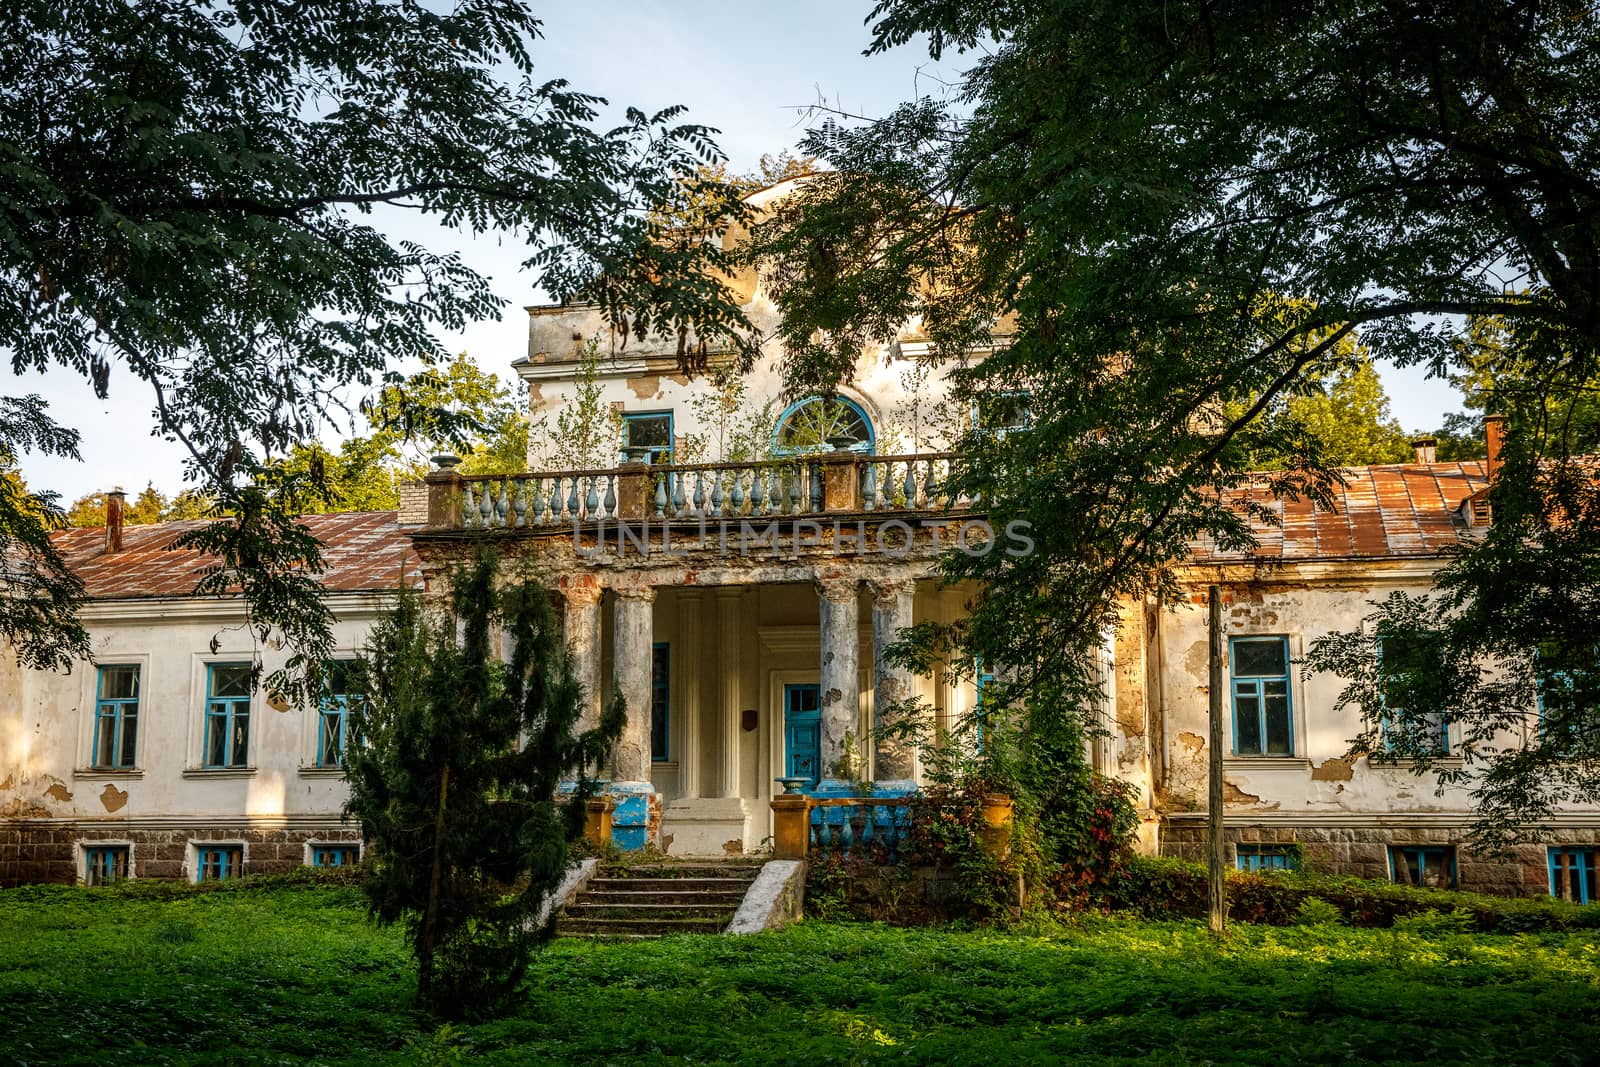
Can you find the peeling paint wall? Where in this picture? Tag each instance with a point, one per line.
(1320, 786)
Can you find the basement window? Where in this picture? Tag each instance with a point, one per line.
(1261, 712)
(104, 864)
(1268, 858)
(1433, 866)
(1572, 875)
(218, 863)
(335, 855)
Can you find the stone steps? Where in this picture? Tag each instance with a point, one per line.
(657, 899)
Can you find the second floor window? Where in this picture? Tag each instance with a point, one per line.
(648, 435)
(333, 717)
(116, 718)
(1262, 723)
(227, 732)
(1002, 413)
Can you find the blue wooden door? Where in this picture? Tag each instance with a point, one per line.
(802, 732)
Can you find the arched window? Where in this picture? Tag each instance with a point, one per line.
(822, 424)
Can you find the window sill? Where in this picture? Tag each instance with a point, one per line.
(96, 774)
(322, 772)
(219, 772)
(1378, 763)
(1259, 762)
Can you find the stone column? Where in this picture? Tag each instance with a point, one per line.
(686, 683)
(637, 819)
(841, 698)
(729, 692)
(895, 764)
(581, 627)
(631, 659)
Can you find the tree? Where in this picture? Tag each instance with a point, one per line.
(151, 505)
(454, 777)
(188, 197)
(1170, 214)
(1338, 414)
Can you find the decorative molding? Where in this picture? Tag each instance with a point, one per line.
(219, 772)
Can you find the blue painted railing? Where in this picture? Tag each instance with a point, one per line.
(867, 828)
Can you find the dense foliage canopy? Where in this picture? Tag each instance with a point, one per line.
(193, 200)
(1159, 218)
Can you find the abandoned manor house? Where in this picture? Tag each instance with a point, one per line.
(735, 565)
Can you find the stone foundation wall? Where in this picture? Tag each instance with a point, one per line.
(33, 853)
(1363, 852)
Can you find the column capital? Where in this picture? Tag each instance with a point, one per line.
(730, 592)
(890, 587)
(688, 592)
(646, 593)
(580, 589)
(836, 586)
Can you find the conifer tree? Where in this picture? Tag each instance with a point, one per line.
(455, 775)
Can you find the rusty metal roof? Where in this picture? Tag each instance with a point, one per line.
(362, 551)
(1401, 509)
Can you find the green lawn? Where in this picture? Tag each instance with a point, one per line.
(298, 975)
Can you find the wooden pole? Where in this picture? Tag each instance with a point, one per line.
(1214, 845)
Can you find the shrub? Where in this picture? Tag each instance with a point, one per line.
(1166, 888)
(1314, 911)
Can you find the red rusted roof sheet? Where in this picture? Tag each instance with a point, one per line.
(362, 551)
(1402, 509)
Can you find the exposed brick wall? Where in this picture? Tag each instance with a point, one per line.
(1363, 852)
(36, 854)
(413, 504)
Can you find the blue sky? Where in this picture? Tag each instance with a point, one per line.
(747, 69)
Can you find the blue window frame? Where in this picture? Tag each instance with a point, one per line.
(116, 718)
(335, 855)
(1398, 659)
(982, 682)
(218, 863)
(227, 733)
(819, 424)
(104, 864)
(1267, 858)
(333, 716)
(651, 431)
(1572, 874)
(660, 699)
(1425, 865)
(1566, 694)
(1263, 720)
(1003, 412)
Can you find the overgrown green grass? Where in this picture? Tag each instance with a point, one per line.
(293, 975)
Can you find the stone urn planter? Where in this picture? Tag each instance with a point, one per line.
(995, 810)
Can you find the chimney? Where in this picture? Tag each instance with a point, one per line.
(114, 502)
(1425, 449)
(1494, 436)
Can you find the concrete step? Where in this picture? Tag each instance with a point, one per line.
(730, 898)
(583, 909)
(745, 872)
(640, 927)
(606, 884)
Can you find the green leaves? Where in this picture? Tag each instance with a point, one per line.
(186, 201)
(455, 779)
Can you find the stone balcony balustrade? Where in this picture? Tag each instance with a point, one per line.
(789, 487)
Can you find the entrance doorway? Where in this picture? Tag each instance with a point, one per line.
(802, 732)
